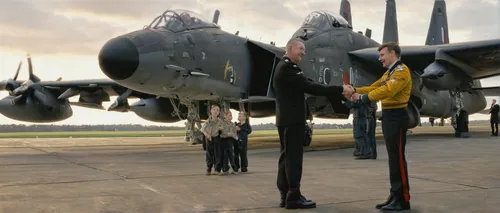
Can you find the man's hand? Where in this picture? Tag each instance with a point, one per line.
(207, 136)
(348, 91)
(237, 128)
(355, 97)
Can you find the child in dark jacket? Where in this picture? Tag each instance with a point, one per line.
(243, 129)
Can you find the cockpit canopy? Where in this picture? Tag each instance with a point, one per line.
(180, 20)
(323, 20)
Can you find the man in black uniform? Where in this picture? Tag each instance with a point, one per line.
(494, 118)
(393, 89)
(290, 84)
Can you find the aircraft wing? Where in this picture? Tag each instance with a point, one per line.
(93, 92)
(478, 59)
(484, 112)
(489, 91)
(90, 85)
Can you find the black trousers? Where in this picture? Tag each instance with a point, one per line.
(217, 153)
(494, 127)
(290, 161)
(210, 153)
(227, 155)
(240, 153)
(394, 126)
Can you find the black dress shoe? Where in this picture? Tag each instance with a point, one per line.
(396, 206)
(283, 200)
(300, 204)
(389, 200)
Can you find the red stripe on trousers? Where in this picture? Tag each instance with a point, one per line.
(402, 167)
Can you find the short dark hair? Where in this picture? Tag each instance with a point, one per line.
(390, 47)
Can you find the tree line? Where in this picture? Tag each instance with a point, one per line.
(138, 127)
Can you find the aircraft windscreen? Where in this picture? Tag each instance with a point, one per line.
(316, 20)
(337, 19)
(324, 20)
(179, 20)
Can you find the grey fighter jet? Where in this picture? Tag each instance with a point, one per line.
(181, 62)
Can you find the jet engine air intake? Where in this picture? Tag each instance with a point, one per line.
(438, 76)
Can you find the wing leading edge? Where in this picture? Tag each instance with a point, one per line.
(477, 59)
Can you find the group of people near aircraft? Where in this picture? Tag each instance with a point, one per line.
(226, 142)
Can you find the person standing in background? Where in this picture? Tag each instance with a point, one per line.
(243, 129)
(494, 109)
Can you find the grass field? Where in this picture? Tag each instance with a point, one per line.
(180, 133)
(170, 133)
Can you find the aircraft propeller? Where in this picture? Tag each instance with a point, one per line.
(22, 90)
(11, 83)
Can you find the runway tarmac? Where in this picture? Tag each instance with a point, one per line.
(129, 175)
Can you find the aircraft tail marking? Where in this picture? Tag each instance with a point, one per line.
(438, 26)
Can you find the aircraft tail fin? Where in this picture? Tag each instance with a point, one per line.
(345, 11)
(438, 27)
(391, 22)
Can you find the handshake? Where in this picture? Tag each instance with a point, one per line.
(349, 93)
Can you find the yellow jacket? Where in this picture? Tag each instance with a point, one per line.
(394, 92)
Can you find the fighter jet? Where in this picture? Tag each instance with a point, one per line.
(181, 62)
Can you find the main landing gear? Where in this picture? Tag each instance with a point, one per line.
(460, 117)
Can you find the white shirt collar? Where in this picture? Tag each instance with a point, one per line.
(392, 64)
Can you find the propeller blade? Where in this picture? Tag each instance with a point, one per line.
(18, 68)
(32, 76)
(18, 100)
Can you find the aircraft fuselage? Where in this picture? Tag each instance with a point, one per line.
(209, 64)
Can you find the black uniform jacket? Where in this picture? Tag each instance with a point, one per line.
(494, 112)
(290, 84)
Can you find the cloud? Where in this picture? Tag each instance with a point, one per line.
(28, 27)
(480, 20)
(83, 26)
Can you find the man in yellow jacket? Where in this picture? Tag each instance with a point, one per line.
(393, 90)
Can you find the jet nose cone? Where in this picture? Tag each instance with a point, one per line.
(119, 58)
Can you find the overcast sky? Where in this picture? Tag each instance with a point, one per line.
(65, 36)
